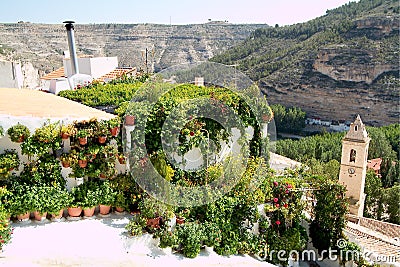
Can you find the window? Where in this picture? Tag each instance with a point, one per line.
(356, 128)
(353, 155)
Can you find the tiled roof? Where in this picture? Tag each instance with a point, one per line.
(58, 73)
(374, 164)
(117, 73)
(114, 74)
(372, 241)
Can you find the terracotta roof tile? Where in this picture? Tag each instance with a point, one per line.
(117, 73)
(374, 164)
(372, 242)
(58, 73)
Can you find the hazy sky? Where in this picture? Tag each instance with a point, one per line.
(282, 12)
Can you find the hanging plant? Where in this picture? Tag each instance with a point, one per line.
(114, 125)
(67, 131)
(9, 161)
(18, 133)
(48, 133)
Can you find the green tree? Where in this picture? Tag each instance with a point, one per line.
(373, 189)
(389, 172)
(330, 215)
(379, 146)
(290, 120)
(392, 200)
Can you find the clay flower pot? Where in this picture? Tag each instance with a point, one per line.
(104, 209)
(153, 223)
(65, 164)
(114, 131)
(180, 220)
(82, 163)
(21, 139)
(39, 216)
(89, 212)
(102, 139)
(119, 209)
(58, 215)
(82, 140)
(64, 136)
(129, 120)
(23, 217)
(74, 211)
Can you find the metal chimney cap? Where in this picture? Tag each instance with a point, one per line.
(69, 21)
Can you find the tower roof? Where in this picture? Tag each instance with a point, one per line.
(357, 131)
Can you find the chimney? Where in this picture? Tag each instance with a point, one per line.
(71, 45)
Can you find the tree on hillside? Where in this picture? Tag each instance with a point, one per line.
(379, 146)
(288, 120)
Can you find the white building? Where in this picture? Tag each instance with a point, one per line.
(11, 75)
(101, 69)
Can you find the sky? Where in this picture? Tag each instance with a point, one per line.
(281, 12)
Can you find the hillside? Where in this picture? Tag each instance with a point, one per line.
(335, 66)
(43, 44)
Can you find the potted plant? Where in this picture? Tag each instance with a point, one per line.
(106, 197)
(182, 215)
(190, 237)
(48, 133)
(57, 202)
(113, 125)
(88, 196)
(121, 201)
(154, 211)
(6, 200)
(212, 234)
(136, 225)
(5, 228)
(167, 238)
(9, 161)
(82, 136)
(93, 150)
(41, 201)
(102, 131)
(67, 130)
(129, 120)
(82, 159)
(74, 204)
(22, 202)
(18, 133)
(68, 159)
(121, 158)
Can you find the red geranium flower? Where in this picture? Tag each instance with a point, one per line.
(278, 222)
(277, 205)
(191, 133)
(276, 199)
(276, 183)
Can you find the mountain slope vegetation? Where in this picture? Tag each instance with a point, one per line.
(348, 57)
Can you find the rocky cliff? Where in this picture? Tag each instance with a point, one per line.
(333, 67)
(167, 45)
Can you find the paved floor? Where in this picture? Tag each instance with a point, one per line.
(99, 242)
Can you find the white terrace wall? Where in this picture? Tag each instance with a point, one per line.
(6, 121)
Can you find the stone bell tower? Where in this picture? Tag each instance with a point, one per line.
(353, 165)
